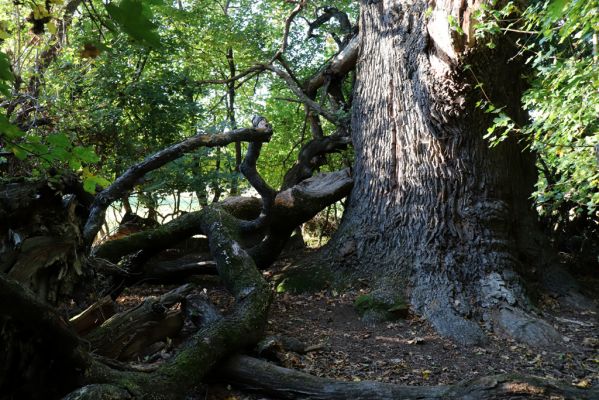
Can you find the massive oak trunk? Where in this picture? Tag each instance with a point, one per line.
(435, 213)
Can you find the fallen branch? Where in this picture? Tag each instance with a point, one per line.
(93, 316)
(174, 231)
(285, 383)
(126, 334)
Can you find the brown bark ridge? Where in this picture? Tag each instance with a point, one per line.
(435, 213)
(285, 383)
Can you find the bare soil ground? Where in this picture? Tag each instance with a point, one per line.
(407, 351)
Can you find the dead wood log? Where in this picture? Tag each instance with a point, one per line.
(174, 231)
(124, 335)
(32, 336)
(40, 236)
(285, 383)
(93, 316)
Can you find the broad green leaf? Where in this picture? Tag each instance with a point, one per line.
(129, 15)
(5, 71)
(85, 154)
(19, 152)
(9, 130)
(555, 8)
(89, 185)
(59, 140)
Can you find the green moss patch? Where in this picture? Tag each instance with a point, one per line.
(379, 306)
(302, 280)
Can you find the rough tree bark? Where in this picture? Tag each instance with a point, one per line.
(435, 214)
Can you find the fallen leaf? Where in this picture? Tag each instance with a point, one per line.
(416, 340)
(584, 383)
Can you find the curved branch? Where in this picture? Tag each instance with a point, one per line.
(125, 182)
(300, 5)
(327, 114)
(291, 207)
(330, 12)
(297, 205)
(338, 67)
(248, 169)
(312, 156)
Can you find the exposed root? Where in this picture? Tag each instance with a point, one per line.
(285, 383)
(525, 328)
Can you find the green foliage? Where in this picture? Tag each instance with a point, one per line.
(6, 75)
(134, 19)
(556, 37)
(130, 81)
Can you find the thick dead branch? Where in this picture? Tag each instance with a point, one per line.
(93, 316)
(339, 66)
(125, 182)
(289, 384)
(311, 156)
(174, 231)
(297, 205)
(125, 335)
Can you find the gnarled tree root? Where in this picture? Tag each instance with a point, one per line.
(285, 383)
(243, 327)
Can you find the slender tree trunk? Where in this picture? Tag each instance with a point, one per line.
(435, 214)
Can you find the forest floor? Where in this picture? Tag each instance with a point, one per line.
(406, 351)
